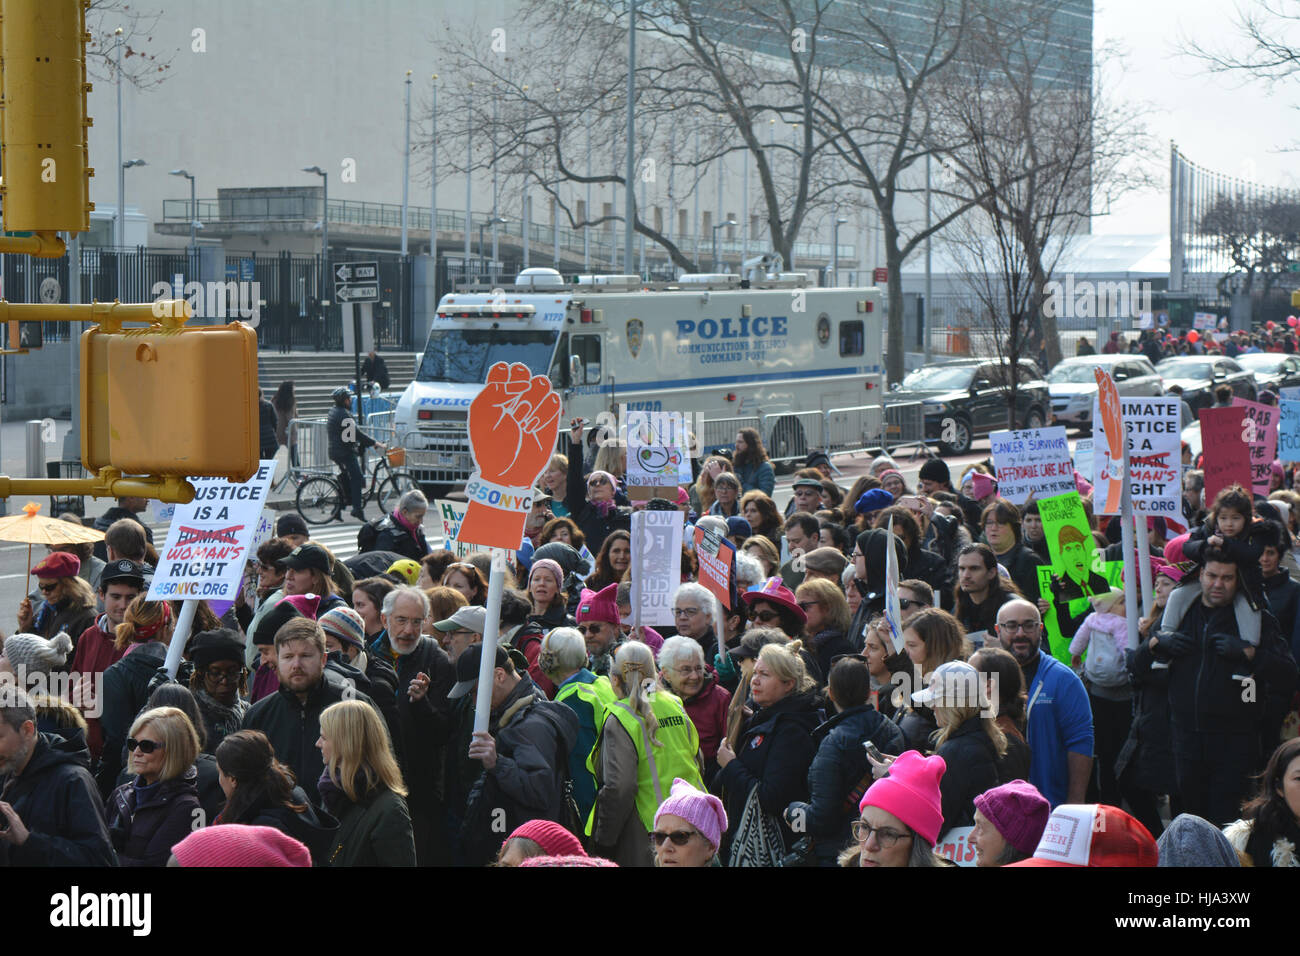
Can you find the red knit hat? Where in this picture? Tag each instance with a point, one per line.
(599, 605)
(1093, 835)
(60, 564)
(550, 836)
(234, 844)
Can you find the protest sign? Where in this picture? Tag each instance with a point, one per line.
(264, 530)
(893, 610)
(513, 425)
(716, 556)
(1083, 451)
(1288, 433)
(1291, 394)
(1259, 429)
(209, 540)
(1154, 455)
(451, 514)
(956, 846)
(1227, 456)
(1076, 563)
(1034, 462)
(1204, 320)
(1109, 455)
(658, 453)
(656, 565)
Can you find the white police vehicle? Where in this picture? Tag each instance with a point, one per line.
(712, 346)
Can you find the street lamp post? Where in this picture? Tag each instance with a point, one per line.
(194, 211)
(835, 248)
(433, 197)
(717, 263)
(121, 205)
(493, 222)
(121, 174)
(325, 271)
(925, 312)
(406, 164)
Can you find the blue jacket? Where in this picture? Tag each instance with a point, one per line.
(758, 476)
(1060, 722)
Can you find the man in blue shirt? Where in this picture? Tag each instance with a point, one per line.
(1059, 716)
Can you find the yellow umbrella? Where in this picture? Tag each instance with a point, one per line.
(38, 529)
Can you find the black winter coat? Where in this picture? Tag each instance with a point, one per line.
(212, 799)
(840, 764)
(533, 739)
(373, 832)
(145, 826)
(334, 425)
(126, 691)
(267, 442)
(972, 768)
(393, 536)
(1246, 548)
(595, 526)
(1148, 752)
(424, 723)
(57, 800)
(313, 827)
(293, 725)
(378, 682)
(826, 645)
(774, 754)
(918, 725)
(1022, 564)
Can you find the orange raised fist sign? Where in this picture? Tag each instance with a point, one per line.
(1112, 421)
(513, 425)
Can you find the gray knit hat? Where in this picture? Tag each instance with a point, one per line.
(33, 654)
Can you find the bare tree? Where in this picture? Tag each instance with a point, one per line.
(1271, 29)
(1044, 149)
(140, 67)
(1259, 234)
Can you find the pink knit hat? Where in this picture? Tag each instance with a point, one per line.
(233, 844)
(552, 567)
(1174, 549)
(911, 793)
(701, 810)
(1018, 812)
(550, 836)
(682, 497)
(571, 860)
(599, 605)
(305, 604)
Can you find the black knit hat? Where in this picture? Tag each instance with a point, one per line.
(936, 470)
(272, 621)
(220, 645)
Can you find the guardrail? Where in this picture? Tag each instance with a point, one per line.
(313, 448)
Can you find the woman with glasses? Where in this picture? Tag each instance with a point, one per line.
(827, 620)
(726, 496)
(219, 683)
(698, 615)
(1001, 525)
(688, 827)
(683, 671)
(900, 817)
(646, 742)
(701, 493)
(157, 809)
(68, 601)
(595, 502)
(774, 605)
(840, 769)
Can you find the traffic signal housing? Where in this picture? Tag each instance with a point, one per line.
(171, 401)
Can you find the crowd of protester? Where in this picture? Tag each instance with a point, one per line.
(327, 718)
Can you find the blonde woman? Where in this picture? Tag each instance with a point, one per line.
(828, 621)
(701, 494)
(68, 601)
(362, 786)
(158, 808)
(143, 635)
(646, 742)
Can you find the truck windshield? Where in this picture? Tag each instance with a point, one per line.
(465, 355)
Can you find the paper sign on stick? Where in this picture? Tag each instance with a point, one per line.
(451, 514)
(1227, 456)
(656, 565)
(1032, 462)
(1108, 460)
(1259, 428)
(658, 451)
(717, 557)
(1288, 433)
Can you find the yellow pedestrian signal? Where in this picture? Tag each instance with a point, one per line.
(46, 185)
(170, 401)
(1295, 299)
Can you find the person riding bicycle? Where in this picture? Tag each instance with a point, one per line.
(344, 436)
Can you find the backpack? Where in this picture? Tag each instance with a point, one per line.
(1104, 665)
(368, 536)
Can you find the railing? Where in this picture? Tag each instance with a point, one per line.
(312, 442)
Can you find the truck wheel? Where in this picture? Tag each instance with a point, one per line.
(1034, 419)
(787, 441)
(961, 442)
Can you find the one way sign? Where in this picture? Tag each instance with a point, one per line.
(356, 282)
(357, 293)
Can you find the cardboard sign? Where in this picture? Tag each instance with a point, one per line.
(716, 556)
(956, 845)
(264, 531)
(1083, 451)
(1108, 458)
(1032, 462)
(209, 540)
(1259, 428)
(893, 610)
(1288, 432)
(1227, 456)
(656, 565)
(658, 453)
(1154, 456)
(1076, 561)
(513, 424)
(451, 514)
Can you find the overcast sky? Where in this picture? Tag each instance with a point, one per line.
(1218, 122)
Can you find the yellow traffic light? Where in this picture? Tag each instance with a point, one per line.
(46, 186)
(1295, 299)
(170, 401)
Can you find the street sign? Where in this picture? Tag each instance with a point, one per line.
(880, 275)
(356, 282)
(246, 270)
(357, 293)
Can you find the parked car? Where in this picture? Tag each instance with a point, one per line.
(1200, 375)
(1074, 387)
(967, 399)
(1272, 370)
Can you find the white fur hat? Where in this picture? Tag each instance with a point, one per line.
(32, 654)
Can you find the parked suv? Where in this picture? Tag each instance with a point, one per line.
(1074, 387)
(1200, 375)
(965, 400)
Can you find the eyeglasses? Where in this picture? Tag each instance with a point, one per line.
(679, 837)
(1012, 626)
(463, 630)
(597, 483)
(685, 611)
(994, 522)
(47, 588)
(595, 627)
(905, 603)
(687, 669)
(805, 605)
(884, 836)
(406, 621)
(766, 617)
(224, 677)
(144, 746)
(855, 554)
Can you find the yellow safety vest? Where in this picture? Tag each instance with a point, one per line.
(599, 694)
(655, 771)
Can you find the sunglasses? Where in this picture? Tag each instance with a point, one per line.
(679, 837)
(144, 746)
(47, 588)
(905, 603)
(223, 677)
(767, 617)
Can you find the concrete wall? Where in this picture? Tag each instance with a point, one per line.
(37, 385)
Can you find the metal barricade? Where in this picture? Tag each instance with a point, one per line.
(313, 448)
(789, 436)
(905, 427)
(382, 428)
(721, 432)
(438, 453)
(856, 428)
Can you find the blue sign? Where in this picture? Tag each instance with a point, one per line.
(1288, 432)
(246, 270)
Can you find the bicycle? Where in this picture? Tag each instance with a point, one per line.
(321, 498)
